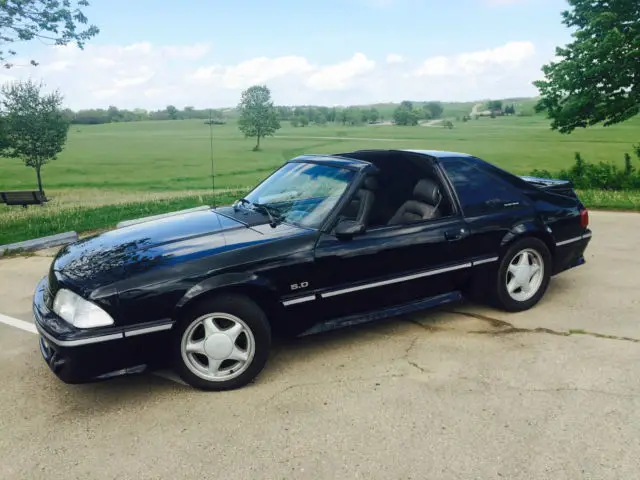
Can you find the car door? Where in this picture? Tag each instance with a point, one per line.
(389, 266)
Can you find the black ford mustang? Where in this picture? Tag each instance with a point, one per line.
(325, 241)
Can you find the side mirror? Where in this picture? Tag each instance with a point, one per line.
(348, 228)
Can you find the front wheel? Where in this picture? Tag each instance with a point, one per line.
(222, 344)
(523, 275)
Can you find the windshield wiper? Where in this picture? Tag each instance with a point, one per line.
(265, 208)
(273, 221)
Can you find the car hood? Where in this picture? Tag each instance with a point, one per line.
(102, 259)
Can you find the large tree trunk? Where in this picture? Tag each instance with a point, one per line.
(39, 178)
(257, 147)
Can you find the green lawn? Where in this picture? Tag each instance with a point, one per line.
(158, 162)
(174, 155)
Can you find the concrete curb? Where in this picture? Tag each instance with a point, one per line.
(40, 243)
(136, 221)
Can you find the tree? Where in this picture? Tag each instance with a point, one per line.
(113, 114)
(374, 115)
(597, 79)
(4, 137)
(53, 21)
(258, 116)
(172, 112)
(188, 112)
(494, 104)
(434, 108)
(331, 117)
(36, 125)
(353, 115)
(343, 116)
(405, 116)
(408, 104)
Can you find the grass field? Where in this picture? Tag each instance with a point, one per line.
(162, 163)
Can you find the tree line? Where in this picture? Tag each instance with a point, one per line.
(299, 116)
(113, 114)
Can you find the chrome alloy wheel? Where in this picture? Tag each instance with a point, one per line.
(217, 347)
(525, 275)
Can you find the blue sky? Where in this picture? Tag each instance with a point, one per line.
(203, 53)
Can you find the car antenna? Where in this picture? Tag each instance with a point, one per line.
(213, 177)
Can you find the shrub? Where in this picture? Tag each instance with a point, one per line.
(541, 173)
(602, 176)
(628, 168)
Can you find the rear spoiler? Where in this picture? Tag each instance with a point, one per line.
(562, 187)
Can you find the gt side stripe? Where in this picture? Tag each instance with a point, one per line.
(395, 280)
(144, 330)
(485, 260)
(105, 338)
(81, 341)
(293, 301)
(570, 240)
(574, 239)
(310, 298)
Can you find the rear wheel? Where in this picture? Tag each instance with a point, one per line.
(523, 275)
(222, 344)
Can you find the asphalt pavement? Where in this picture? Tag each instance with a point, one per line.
(468, 393)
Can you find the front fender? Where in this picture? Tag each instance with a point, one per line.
(226, 280)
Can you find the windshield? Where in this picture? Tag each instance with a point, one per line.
(302, 193)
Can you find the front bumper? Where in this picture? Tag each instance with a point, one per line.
(84, 355)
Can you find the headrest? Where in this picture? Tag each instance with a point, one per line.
(427, 191)
(370, 183)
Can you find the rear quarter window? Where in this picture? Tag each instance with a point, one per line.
(481, 193)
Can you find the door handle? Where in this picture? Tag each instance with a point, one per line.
(457, 234)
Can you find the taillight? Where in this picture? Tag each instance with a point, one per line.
(584, 218)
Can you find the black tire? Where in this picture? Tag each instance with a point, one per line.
(244, 309)
(499, 294)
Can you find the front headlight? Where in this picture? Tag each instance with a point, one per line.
(79, 312)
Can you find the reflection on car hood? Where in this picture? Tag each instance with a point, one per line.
(118, 254)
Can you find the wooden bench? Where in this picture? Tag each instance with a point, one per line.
(24, 197)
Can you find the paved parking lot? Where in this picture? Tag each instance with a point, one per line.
(472, 393)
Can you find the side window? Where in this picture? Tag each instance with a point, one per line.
(480, 193)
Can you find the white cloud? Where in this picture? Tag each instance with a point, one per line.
(257, 70)
(474, 63)
(152, 76)
(192, 52)
(341, 75)
(56, 66)
(394, 58)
